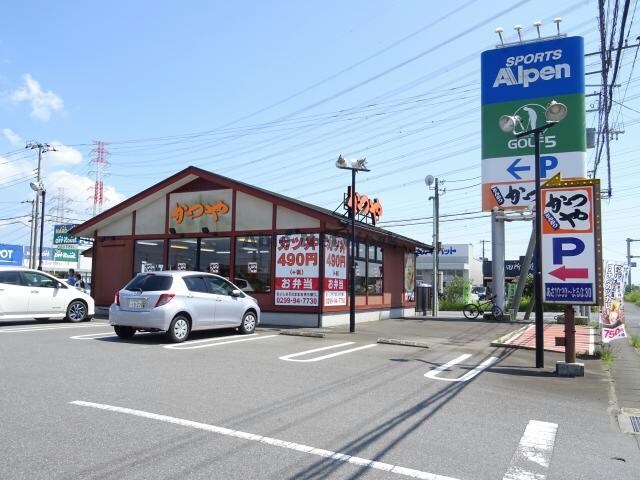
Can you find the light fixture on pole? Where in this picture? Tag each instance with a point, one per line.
(430, 180)
(39, 188)
(554, 113)
(355, 166)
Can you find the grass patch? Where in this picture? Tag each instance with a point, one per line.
(633, 296)
(634, 340)
(607, 356)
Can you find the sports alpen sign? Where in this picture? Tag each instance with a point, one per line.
(521, 80)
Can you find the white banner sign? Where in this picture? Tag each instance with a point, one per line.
(335, 271)
(612, 310)
(297, 269)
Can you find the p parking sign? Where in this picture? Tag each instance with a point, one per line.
(571, 242)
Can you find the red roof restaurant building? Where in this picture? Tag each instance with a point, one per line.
(291, 256)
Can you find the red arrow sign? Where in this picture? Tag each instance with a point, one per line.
(563, 273)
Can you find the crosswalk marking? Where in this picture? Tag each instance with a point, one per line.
(532, 458)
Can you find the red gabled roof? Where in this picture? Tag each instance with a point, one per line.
(195, 172)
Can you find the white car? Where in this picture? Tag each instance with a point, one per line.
(26, 294)
(179, 302)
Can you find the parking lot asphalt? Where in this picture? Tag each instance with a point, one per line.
(78, 402)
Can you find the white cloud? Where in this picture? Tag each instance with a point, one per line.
(63, 154)
(79, 189)
(15, 172)
(13, 137)
(42, 103)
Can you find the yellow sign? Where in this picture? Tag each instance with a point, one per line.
(197, 210)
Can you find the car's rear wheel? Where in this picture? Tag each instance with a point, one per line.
(248, 324)
(124, 332)
(179, 329)
(77, 311)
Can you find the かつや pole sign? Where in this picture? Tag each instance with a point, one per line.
(521, 80)
(571, 242)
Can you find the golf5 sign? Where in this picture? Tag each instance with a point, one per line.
(521, 81)
(571, 242)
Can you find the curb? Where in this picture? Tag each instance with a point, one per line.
(504, 340)
(406, 343)
(297, 333)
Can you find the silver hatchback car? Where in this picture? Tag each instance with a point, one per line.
(179, 302)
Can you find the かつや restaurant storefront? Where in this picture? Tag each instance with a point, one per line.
(291, 256)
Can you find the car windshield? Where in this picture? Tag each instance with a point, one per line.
(150, 282)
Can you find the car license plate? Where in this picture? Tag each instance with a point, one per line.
(137, 303)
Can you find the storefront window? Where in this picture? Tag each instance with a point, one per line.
(148, 256)
(253, 264)
(215, 256)
(374, 271)
(361, 268)
(183, 253)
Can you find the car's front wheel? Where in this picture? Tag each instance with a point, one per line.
(179, 329)
(124, 332)
(77, 311)
(248, 324)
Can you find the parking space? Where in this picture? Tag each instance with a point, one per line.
(342, 406)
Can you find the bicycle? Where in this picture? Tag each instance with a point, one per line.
(473, 310)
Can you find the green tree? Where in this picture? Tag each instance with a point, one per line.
(457, 290)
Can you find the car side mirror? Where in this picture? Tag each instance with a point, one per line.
(236, 293)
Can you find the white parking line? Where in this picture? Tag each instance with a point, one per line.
(40, 328)
(532, 457)
(187, 345)
(433, 374)
(93, 336)
(289, 358)
(335, 456)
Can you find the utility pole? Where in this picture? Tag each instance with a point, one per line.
(431, 180)
(629, 257)
(42, 148)
(483, 243)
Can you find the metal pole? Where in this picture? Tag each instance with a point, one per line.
(436, 254)
(434, 273)
(524, 274)
(41, 231)
(629, 263)
(569, 335)
(497, 256)
(36, 209)
(352, 213)
(538, 254)
(31, 233)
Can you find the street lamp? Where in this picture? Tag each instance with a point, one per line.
(554, 113)
(39, 188)
(355, 166)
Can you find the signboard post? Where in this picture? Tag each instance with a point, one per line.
(571, 253)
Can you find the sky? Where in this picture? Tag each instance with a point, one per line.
(271, 93)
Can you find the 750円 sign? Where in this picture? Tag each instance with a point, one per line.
(571, 242)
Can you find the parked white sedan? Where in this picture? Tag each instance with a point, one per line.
(26, 294)
(178, 302)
